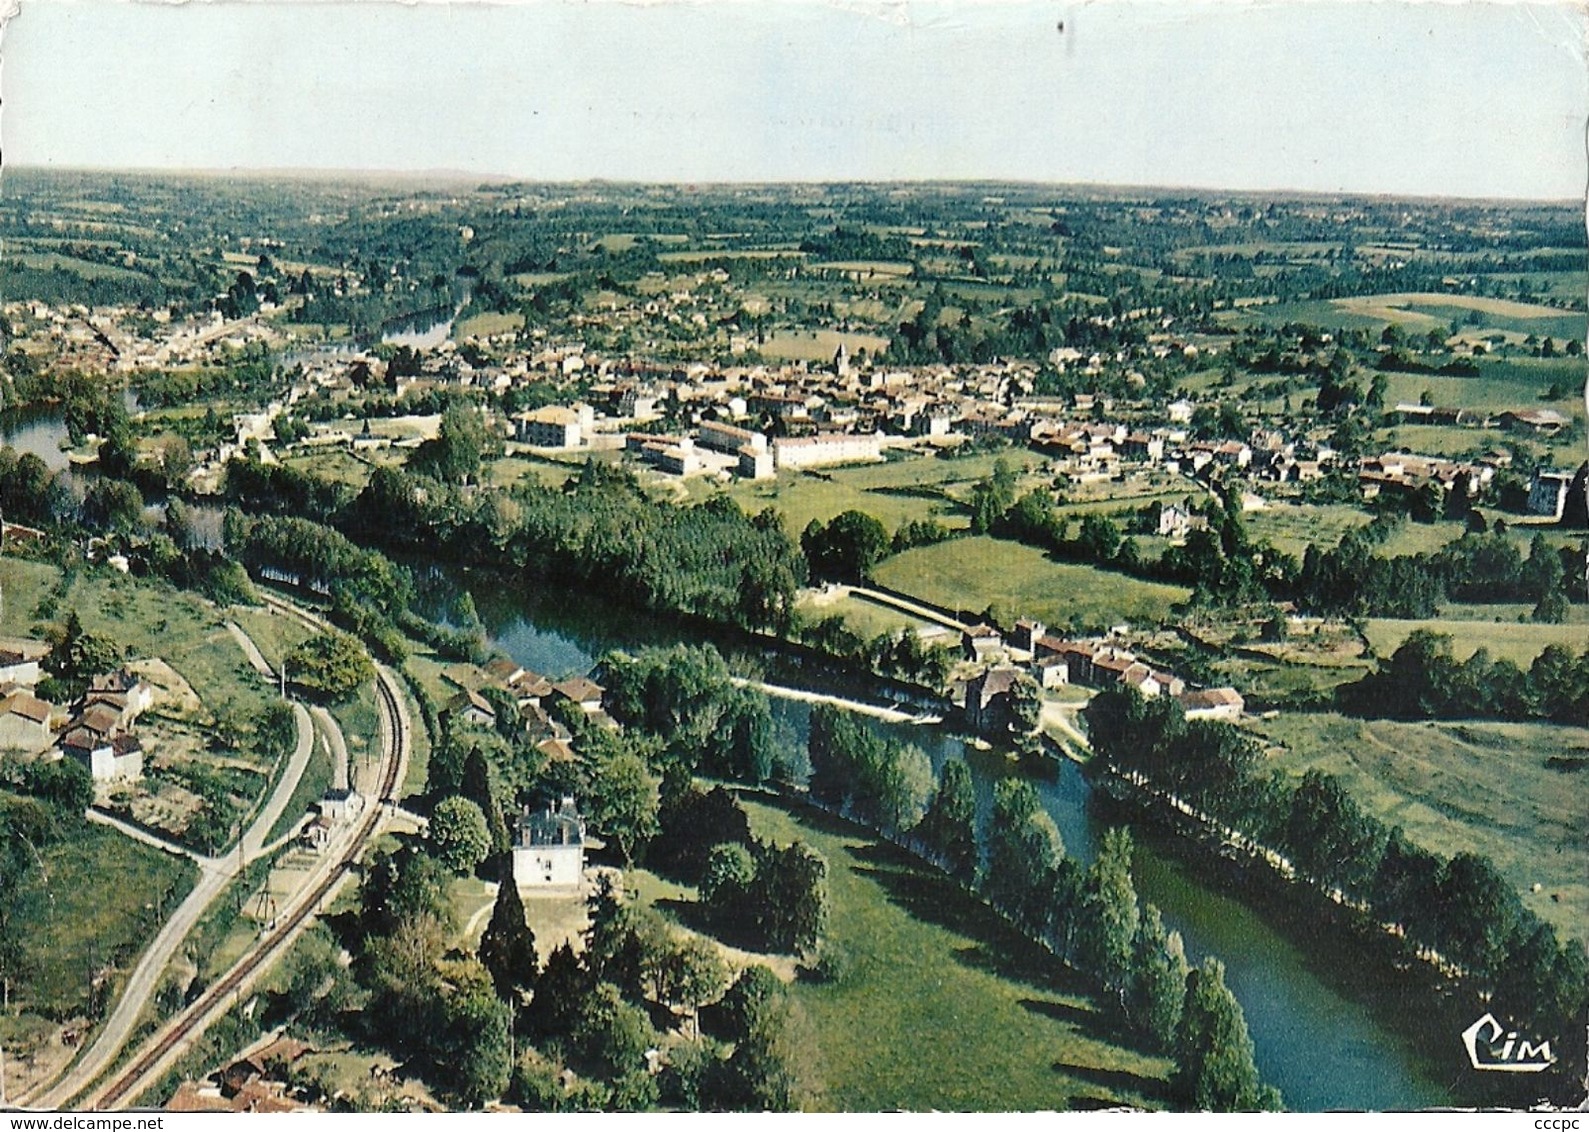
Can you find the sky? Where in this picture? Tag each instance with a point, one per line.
(1443, 99)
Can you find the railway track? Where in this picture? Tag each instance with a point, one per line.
(134, 1079)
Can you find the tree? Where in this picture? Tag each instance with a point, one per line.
(471, 1057)
(1214, 1068)
(64, 784)
(847, 547)
(1157, 989)
(1478, 913)
(1024, 849)
(1110, 916)
(762, 1074)
(792, 896)
(695, 974)
(1099, 539)
(82, 654)
(726, 885)
(1330, 838)
(332, 665)
(948, 831)
(611, 1033)
(752, 994)
(507, 946)
(459, 838)
(625, 801)
(560, 994)
(460, 444)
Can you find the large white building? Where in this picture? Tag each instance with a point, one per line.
(549, 851)
(826, 448)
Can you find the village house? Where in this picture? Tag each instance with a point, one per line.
(826, 448)
(471, 707)
(981, 643)
(1547, 493)
(19, 661)
(25, 722)
(106, 757)
(549, 851)
(581, 691)
(987, 698)
(1212, 703)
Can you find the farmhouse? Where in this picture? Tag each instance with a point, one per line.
(19, 663)
(549, 851)
(471, 707)
(105, 757)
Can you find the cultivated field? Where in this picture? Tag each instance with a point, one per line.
(1483, 787)
(818, 345)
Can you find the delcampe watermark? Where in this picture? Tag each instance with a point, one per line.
(1494, 1048)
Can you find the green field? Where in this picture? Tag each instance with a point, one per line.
(865, 618)
(1463, 786)
(943, 1007)
(894, 492)
(335, 464)
(800, 497)
(1520, 643)
(24, 586)
(1510, 383)
(1417, 313)
(93, 906)
(1290, 527)
(155, 619)
(486, 324)
(974, 573)
(818, 345)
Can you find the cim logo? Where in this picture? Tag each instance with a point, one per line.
(1493, 1047)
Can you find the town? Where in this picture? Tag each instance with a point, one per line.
(507, 605)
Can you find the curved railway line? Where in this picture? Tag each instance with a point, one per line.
(129, 1082)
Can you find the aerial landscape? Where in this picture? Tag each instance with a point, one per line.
(710, 635)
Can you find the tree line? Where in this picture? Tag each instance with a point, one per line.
(1091, 918)
(1422, 680)
(1461, 908)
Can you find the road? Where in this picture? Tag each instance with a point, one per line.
(214, 875)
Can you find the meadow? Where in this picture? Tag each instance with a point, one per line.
(943, 1007)
(1021, 581)
(1519, 642)
(1479, 786)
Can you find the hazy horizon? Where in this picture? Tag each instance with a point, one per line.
(464, 177)
(1466, 101)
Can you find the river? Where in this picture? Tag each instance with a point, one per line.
(1328, 1025)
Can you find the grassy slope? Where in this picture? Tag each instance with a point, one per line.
(973, 573)
(87, 908)
(1518, 642)
(943, 1008)
(1463, 786)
